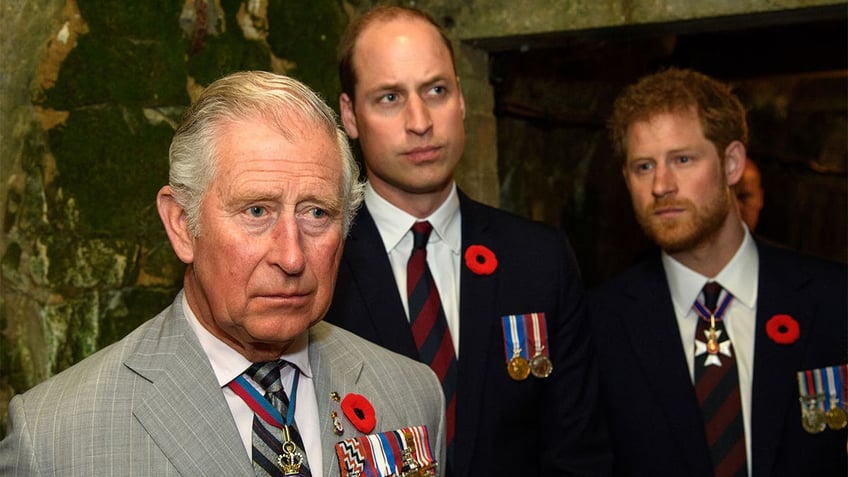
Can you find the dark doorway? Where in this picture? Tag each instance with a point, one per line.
(553, 94)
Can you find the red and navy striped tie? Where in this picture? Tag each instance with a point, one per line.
(717, 389)
(429, 326)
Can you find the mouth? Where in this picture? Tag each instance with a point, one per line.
(424, 153)
(283, 299)
(668, 211)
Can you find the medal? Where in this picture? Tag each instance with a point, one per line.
(811, 388)
(713, 347)
(712, 338)
(515, 347)
(834, 389)
(836, 418)
(401, 453)
(813, 419)
(540, 365)
(292, 458)
(518, 368)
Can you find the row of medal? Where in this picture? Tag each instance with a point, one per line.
(402, 453)
(824, 398)
(523, 335)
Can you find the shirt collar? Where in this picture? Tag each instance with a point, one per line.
(393, 223)
(229, 364)
(739, 277)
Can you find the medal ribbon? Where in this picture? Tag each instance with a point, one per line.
(261, 406)
(382, 455)
(819, 381)
(843, 380)
(515, 337)
(539, 336)
(706, 315)
(830, 390)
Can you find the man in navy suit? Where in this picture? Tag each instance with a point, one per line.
(509, 289)
(776, 313)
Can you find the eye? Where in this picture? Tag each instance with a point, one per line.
(256, 211)
(439, 90)
(318, 213)
(389, 98)
(684, 159)
(643, 166)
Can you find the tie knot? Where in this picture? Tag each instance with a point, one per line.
(267, 375)
(421, 234)
(711, 292)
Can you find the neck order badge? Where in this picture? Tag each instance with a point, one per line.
(291, 460)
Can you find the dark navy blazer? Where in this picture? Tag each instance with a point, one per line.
(535, 427)
(654, 419)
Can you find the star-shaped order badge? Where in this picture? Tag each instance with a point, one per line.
(712, 358)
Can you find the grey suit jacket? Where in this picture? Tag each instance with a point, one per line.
(150, 405)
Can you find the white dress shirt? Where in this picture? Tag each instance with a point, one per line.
(443, 249)
(740, 277)
(228, 364)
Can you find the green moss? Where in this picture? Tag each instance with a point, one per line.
(307, 34)
(124, 310)
(72, 329)
(225, 54)
(11, 259)
(112, 178)
(147, 19)
(160, 261)
(107, 70)
(13, 205)
(229, 51)
(81, 264)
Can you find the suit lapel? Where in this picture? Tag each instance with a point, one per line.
(338, 370)
(477, 322)
(371, 272)
(779, 293)
(649, 321)
(192, 426)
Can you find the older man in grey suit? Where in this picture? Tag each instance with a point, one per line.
(238, 376)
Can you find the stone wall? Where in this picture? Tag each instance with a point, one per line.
(90, 92)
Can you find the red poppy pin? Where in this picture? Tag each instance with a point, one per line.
(481, 260)
(360, 412)
(783, 329)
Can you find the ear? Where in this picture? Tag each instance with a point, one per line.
(624, 173)
(734, 162)
(348, 116)
(461, 98)
(176, 224)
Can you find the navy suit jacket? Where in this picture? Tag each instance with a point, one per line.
(654, 420)
(504, 427)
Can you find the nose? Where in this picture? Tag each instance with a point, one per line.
(286, 248)
(664, 181)
(418, 119)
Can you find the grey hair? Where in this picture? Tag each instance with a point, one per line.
(244, 96)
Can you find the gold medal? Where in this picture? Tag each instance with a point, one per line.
(518, 368)
(541, 366)
(836, 418)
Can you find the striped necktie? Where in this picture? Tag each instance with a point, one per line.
(267, 439)
(429, 326)
(717, 386)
